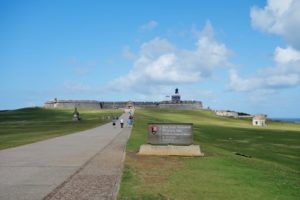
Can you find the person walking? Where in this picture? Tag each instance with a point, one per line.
(122, 122)
(129, 121)
(114, 121)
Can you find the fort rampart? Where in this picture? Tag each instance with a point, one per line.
(91, 104)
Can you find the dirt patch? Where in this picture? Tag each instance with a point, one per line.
(154, 179)
(153, 162)
(153, 169)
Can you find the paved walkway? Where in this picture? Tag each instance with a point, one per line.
(83, 165)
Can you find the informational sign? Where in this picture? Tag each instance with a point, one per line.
(170, 133)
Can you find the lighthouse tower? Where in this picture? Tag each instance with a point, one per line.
(176, 96)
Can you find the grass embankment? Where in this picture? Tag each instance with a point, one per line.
(23, 126)
(272, 172)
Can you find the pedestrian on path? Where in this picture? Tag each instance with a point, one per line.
(114, 122)
(122, 122)
(129, 122)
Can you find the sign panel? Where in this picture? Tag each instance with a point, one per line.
(170, 133)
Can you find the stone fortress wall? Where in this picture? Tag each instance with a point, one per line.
(182, 105)
(72, 104)
(174, 103)
(177, 103)
(188, 105)
(226, 113)
(84, 104)
(234, 114)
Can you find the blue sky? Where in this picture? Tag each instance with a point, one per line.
(237, 55)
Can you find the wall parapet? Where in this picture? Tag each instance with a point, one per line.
(93, 104)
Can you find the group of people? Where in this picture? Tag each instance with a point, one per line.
(129, 121)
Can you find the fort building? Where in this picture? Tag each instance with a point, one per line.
(227, 113)
(233, 114)
(174, 103)
(177, 103)
(259, 120)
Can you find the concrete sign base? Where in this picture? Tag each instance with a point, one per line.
(170, 150)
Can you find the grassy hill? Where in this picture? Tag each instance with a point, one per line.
(272, 172)
(23, 126)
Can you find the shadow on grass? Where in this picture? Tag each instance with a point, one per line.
(281, 147)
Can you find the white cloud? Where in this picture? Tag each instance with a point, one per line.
(149, 26)
(287, 55)
(280, 17)
(127, 53)
(286, 73)
(160, 63)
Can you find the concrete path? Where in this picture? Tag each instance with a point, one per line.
(65, 167)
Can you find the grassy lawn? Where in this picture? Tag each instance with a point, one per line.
(23, 126)
(272, 172)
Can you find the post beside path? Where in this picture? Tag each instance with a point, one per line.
(170, 139)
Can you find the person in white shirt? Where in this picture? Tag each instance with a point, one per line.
(122, 122)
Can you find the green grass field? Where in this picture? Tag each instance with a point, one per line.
(23, 126)
(272, 172)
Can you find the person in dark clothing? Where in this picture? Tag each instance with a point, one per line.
(114, 121)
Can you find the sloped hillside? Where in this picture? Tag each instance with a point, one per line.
(270, 170)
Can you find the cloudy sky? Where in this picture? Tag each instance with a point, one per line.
(236, 55)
